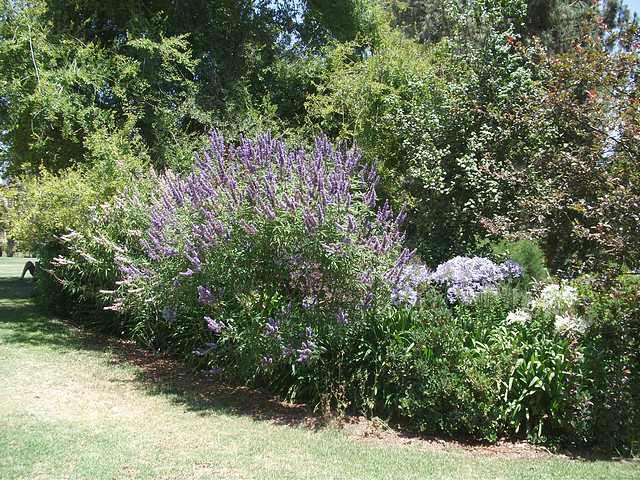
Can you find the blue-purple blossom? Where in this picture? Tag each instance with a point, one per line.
(309, 302)
(194, 258)
(205, 297)
(511, 269)
(216, 326)
(271, 327)
(468, 277)
(305, 351)
(266, 361)
(406, 295)
(187, 273)
(342, 318)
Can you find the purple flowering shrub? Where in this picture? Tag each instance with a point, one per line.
(264, 253)
(466, 278)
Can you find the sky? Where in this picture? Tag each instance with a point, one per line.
(634, 5)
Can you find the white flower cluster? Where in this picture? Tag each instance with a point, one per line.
(570, 323)
(519, 316)
(557, 299)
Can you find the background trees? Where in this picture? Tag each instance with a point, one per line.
(487, 118)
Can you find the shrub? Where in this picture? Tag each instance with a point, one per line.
(264, 252)
(275, 266)
(611, 370)
(527, 254)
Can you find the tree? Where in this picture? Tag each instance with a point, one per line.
(556, 22)
(584, 195)
(66, 101)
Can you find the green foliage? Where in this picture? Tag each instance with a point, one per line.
(448, 126)
(582, 188)
(527, 254)
(67, 102)
(47, 206)
(499, 137)
(509, 120)
(536, 392)
(611, 369)
(557, 23)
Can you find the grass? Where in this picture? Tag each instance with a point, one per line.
(73, 405)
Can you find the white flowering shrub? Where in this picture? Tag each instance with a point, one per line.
(561, 300)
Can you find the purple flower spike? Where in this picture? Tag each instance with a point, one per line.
(271, 328)
(205, 297)
(342, 318)
(214, 325)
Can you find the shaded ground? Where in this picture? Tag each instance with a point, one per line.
(77, 405)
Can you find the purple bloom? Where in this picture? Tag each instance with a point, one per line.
(266, 361)
(342, 317)
(466, 278)
(310, 221)
(214, 325)
(309, 302)
(248, 228)
(511, 269)
(187, 273)
(404, 296)
(195, 261)
(205, 297)
(305, 352)
(271, 328)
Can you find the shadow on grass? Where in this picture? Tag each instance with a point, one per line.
(197, 392)
(27, 324)
(24, 323)
(158, 374)
(14, 288)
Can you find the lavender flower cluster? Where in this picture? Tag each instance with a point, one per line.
(405, 291)
(468, 277)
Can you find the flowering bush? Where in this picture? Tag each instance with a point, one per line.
(81, 263)
(465, 278)
(560, 300)
(273, 249)
(281, 267)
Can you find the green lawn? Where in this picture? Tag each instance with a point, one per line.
(76, 406)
